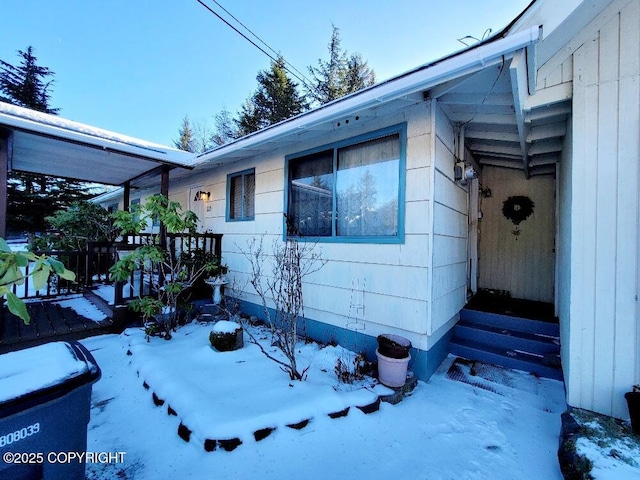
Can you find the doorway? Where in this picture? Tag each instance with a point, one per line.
(517, 255)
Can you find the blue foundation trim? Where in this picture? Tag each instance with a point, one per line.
(423, 363)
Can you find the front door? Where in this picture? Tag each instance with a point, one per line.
(516, 254)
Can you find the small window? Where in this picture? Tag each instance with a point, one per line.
(241, 192)
(112, 208)
(132, 207)
(349, 191)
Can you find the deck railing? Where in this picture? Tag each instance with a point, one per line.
(92, 265)
(141, 281)
(56, 286)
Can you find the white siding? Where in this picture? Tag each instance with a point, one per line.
(397, 297)
(603, 337)
(450, 230)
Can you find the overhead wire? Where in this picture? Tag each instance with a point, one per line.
(261, 41)
(288, 66)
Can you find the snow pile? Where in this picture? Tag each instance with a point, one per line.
(445, 430)
(234, 394)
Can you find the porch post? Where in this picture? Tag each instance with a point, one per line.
(126, 197)
(164, 190)
(4, 167)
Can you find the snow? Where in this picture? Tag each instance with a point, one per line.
(444, 430)
(106, 292)
(83, 307)
(225, 326)
(26, 371)
(55, 125)
(607, 466)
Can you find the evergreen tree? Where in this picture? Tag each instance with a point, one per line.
(32, 197)
(26, 85)
(276, 99)
(225, 128)
(340, 75)
(186, 140)
(358, 75)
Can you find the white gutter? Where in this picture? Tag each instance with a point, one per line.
(465, 62)
(35, 122)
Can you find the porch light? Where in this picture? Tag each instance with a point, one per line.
(201, 196)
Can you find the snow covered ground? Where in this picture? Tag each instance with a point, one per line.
(445, 430)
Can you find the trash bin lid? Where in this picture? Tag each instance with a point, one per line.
(42, 373)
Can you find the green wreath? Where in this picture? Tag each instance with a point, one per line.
(517, 208)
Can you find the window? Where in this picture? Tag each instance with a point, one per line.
(113, 207)
(349, 191)
(241, 192)
(133, 205)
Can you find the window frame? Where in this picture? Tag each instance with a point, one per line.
(401, 131)
(230, 177)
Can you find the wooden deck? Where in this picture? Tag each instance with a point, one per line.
(49, 322)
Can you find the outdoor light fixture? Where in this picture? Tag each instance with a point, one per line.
(201, 196)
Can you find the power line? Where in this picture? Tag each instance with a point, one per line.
(260, 40)
(305, 81)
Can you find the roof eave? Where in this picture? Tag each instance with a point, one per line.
(422, 79)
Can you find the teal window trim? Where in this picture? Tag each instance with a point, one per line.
(401, 131)
(242, 217)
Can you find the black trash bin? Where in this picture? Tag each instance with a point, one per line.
(45, 400)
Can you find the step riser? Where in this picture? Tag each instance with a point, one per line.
(507, 362)
(510, 323)
(508, 342)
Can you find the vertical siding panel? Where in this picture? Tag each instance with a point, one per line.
(626, 353)
(584, 219)
(606, 214)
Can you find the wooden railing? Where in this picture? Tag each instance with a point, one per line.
(92, 265)
(141, 281)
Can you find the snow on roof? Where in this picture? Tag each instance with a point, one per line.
(59, 127)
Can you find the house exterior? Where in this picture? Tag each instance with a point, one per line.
(382, 181)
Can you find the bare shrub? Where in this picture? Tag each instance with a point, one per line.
(277, 278)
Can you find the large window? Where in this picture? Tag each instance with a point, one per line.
(241, 191)
(349, 191)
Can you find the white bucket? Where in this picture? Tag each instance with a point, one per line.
(392, 372)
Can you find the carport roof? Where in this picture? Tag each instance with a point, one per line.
(51, 145)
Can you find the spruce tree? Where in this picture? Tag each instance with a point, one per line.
(26, 85)
(276, 99)
(32, 197)
(225, 128)
(340, 75)
(186, 139)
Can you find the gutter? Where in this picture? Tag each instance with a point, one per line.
(427, 77)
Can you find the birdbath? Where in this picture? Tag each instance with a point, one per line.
(217, 283)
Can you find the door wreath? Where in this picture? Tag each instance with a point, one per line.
(517, 209)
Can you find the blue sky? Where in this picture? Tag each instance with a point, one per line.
(139, 66)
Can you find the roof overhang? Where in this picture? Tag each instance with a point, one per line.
(51, 145)
(413, 84)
